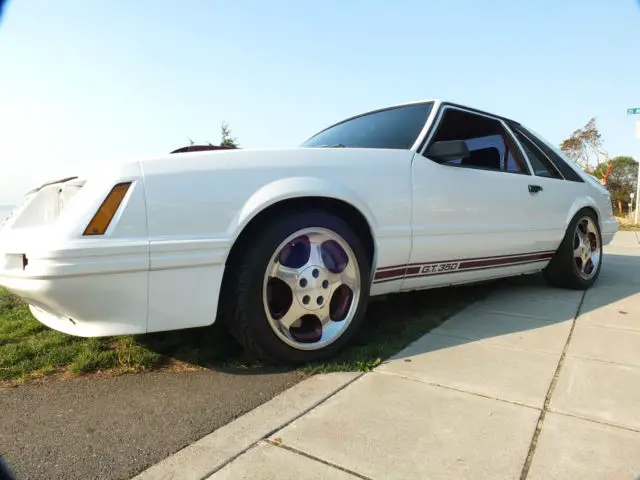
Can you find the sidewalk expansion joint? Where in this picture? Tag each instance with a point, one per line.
(459, 390)
(316, 459)
(547, 400)
(595, 420)
(284, 425)
(493, 343)
(524, 316)
(607, 362)
(612, 327)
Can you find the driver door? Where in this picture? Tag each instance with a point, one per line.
(477, 217)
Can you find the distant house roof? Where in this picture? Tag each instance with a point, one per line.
(198, 148)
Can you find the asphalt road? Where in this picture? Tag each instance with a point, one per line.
(113, 428)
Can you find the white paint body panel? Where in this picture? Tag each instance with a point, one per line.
(161, 263)
(492, 213)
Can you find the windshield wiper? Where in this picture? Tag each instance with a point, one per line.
(337, 145)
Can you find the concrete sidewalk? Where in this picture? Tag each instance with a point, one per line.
(532, 383)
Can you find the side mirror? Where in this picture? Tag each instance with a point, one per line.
(447, 150)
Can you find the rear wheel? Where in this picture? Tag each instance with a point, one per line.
(301, 288)
(577, 262)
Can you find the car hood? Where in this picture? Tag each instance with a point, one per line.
(264, 158)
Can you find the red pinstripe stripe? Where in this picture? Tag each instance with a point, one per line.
(413, 270)
(516, 255)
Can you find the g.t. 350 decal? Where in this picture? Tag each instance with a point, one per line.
(414, 270)
(440, 267)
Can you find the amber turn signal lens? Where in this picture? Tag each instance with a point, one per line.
(101, 220)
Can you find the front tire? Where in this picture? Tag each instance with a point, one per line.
(302, 286)
(578, 260)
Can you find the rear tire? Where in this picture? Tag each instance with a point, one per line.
(283, 309)
(577, 262)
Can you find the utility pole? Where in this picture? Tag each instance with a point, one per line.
(636, 111)
(635, 219)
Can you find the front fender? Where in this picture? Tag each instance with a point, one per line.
(297, 187)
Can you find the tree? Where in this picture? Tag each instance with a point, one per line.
(584, 146)
(623, 176)
(226, 139)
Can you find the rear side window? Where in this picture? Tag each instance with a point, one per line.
(541, 165)
(568, 172)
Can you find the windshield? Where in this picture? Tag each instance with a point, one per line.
(395, 128)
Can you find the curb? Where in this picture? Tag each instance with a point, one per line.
(212, 452)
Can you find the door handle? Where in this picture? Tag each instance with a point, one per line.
(535, 188)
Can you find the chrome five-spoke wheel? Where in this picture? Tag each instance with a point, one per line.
(586, 248)
(300, 286)
(311, 288)
(577, 262)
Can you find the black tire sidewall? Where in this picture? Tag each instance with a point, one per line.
(258, 327)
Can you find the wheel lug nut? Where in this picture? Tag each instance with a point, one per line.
(306, 299)
(320, 300)
(303, 282)
(325, 284)
(315, 273)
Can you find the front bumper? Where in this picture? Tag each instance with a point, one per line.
(105, 287)
(97, 290)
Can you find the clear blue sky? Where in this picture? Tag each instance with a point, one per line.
(84, 82)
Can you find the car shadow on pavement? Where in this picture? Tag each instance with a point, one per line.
(526, 303)
(212, 348)
(390, 324)
(391, 321)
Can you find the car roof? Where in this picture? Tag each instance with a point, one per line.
(437, 102)
(441, 102)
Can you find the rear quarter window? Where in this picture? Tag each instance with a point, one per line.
(561, 164)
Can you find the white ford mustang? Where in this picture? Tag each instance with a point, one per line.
(287, 246)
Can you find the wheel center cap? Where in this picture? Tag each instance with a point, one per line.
(312, 289)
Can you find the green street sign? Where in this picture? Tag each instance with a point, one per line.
(633, 111)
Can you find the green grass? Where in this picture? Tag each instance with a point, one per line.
(626, 223)
(29, 350)
(629, 227)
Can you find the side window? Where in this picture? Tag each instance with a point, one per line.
(489, 144)
(541, 165)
